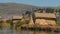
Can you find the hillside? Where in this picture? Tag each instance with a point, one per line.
(9, 9)
(14, 8)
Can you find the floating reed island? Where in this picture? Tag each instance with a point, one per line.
(42, 21)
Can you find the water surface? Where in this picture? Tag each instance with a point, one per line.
(10, 31)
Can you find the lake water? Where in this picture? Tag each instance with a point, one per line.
(10, 31)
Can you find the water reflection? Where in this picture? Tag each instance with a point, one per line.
(6, 31)
(10, 31)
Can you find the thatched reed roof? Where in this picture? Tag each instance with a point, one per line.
(17, 17)
(45, 15)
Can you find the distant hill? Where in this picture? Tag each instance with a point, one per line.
(9, 9)
(14, 8)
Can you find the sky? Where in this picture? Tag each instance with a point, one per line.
(51, 3)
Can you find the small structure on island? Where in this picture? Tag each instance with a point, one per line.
(15, 20)
(45, 19)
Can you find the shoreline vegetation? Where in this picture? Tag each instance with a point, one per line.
(9, 24)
